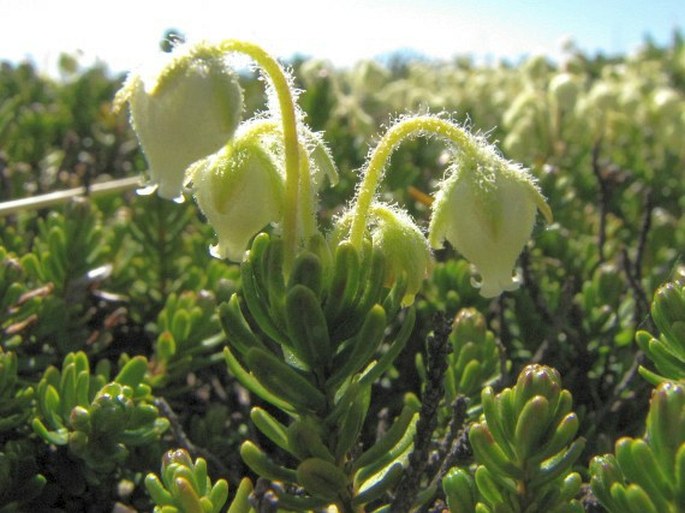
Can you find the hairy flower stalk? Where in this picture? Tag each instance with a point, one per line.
(291, 145)
(405, 129)
(485, 207)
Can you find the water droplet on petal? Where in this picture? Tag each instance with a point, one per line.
(146, 190)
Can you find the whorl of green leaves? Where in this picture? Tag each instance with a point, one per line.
(99, 420)
(68, 247)
(524, 448)
(317, 330)
(69, 255)
(601, 297)
(647, 475)
(15, 400)
(475, 358)
(152, 252)
(307, 345)
(185, 486)
(189, 335)
(18, 307)
(668, 351)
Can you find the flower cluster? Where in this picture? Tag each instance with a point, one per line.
(266, 170)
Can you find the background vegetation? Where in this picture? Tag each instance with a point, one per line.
(110, 304)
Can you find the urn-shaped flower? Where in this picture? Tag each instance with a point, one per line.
(181, 112)
(486, 209)
(240, 191)
(405, 248)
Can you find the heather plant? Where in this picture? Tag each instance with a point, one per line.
(289, 334)
(305, 326)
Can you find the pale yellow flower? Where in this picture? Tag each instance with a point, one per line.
(486, 209)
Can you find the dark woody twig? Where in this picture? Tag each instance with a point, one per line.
(533, 289)
(644, 231)
(453, 449)
(436, 366)
(613, 403)
(641, 301)
(182, 440)
(603, 199)
(458, 450)
(633, 269)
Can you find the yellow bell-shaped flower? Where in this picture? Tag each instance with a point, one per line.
(185, 110)
(486, 209)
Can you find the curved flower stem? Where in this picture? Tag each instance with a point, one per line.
(276, 74)
(407, 128)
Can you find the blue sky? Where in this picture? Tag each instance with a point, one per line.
(122, 32)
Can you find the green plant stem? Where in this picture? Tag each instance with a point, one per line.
(405, 129)
(279, 81)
